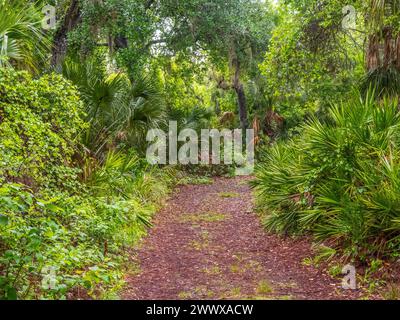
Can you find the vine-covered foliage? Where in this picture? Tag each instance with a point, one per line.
(41, 120)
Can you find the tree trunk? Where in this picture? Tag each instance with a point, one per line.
(241, 97)
(242, 106)
(71, 20)
(121, 42)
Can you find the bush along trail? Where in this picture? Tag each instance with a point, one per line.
(207, 243)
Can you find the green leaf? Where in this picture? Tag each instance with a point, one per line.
(3, 220)
(12, 294)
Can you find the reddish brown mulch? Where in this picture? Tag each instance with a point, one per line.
(209, 245)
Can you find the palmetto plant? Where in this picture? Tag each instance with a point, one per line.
(102, 96)
(340, 180)
(196, 118)
(22, 41)
(385, 80)
(144, 109)
(118, 110)
(116, 174)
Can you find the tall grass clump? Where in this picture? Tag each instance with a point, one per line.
(340, 180)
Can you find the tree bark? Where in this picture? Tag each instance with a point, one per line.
(120, 42)
(241, 96)
(71, 20)
(242, 106)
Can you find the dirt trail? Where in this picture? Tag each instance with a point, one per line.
(207, 243)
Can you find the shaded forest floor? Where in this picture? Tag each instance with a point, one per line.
(207, 243)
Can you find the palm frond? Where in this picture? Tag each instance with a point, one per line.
(23, 43)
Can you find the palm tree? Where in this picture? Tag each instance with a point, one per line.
(23, 44)
(383, 50)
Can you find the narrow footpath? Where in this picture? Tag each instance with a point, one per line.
(208, 243)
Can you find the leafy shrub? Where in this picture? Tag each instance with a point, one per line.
(340, 180)
(49, 248)
(40, 122)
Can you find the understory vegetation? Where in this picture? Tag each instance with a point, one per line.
(339, 180)
(335, 174)
(83, 82)
(65, 226)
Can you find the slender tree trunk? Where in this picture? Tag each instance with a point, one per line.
(242, 106)
(71, 20)
(241, 96)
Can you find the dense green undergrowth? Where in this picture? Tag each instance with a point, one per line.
(339, 180)
(63, 237)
